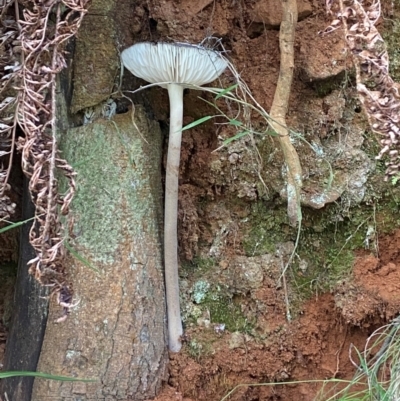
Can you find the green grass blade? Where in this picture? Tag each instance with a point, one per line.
(14, 225)
(235, 123)
(271, 132)
(197, 122)
(225, 91)
(80, 257)
(4, 375)
(235, 137)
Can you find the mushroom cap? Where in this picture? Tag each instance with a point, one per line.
(178, 63)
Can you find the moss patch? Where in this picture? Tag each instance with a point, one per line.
(208, 296)
(227, 311)
(328, 239)
(269, 226)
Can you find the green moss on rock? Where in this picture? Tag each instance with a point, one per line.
(328, 239)
(209, 296)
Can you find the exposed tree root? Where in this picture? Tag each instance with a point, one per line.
(280, 106)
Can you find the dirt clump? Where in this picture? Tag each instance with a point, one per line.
(373, 293)
(314, 346)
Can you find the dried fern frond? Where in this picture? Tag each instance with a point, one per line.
(42, 42)
(378, 93)
(9, 64)
(34, 39)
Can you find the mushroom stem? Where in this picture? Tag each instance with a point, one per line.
(175, 330)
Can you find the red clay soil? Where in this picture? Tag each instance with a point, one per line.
(313, 346)
(374, 294)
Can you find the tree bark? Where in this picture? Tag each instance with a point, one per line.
(29, 317)
(117, 332)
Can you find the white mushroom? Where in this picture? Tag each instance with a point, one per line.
(173, 66)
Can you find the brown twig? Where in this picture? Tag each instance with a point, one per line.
(280, 106)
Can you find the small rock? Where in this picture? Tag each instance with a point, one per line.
(199, 291)
(303, 265)
(285, 248)
(203, 322)
(233, 158)
(236, 340)
(270, 12)
(194, 7)
(219, 328)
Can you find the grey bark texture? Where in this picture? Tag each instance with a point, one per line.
(117, 333)
(96, 57)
